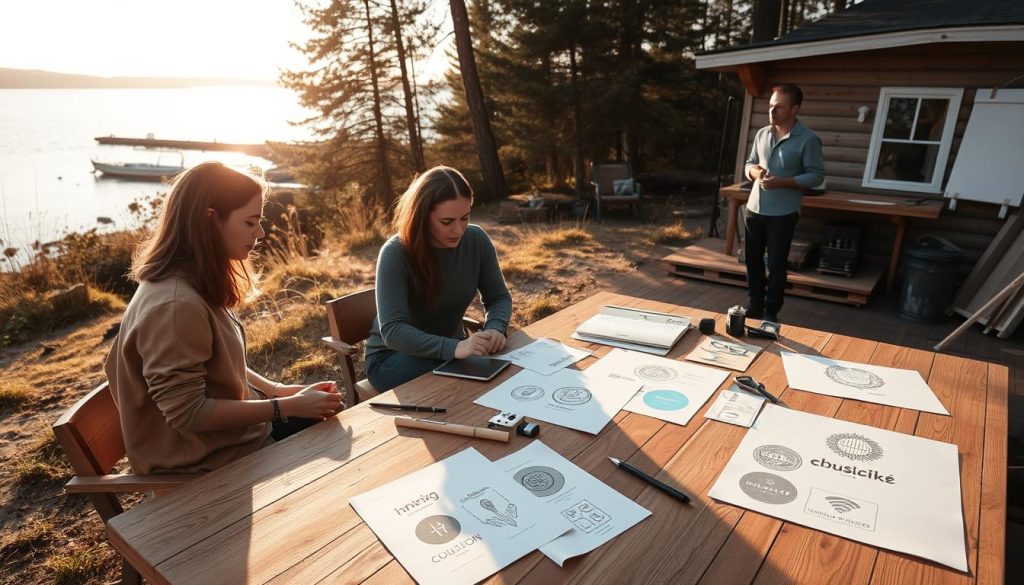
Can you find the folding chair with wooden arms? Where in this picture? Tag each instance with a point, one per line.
(90, 434)
(350, 319)
(603, 178)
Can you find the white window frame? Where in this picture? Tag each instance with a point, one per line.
(954, 95)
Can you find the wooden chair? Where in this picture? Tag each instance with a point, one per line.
(90, 434)
(350, 319)
(603, 177)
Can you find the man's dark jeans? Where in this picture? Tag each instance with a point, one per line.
(774, 233)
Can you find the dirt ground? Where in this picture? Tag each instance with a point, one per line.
(47, 536)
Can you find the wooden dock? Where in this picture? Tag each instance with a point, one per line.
(707, 260)
(261, 150)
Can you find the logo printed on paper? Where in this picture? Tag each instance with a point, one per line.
(438, 529)
(841, 504)
(540, 480)
(855, 447)
(527, 393)
(778, 457)
(768, 488)
(572, 396)
(666, 399)
(655, 373)
(842, 509)
(854, 377)
(586, 516)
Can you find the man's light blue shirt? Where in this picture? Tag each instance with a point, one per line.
(797, 155)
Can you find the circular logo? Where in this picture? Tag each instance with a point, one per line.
(527, 393)
(854, 377)
(665, 400)
(438, 529)
(768, 488)
(655, 373)
(572, 395)
(854, 446)
(778, 457)
(541, 481)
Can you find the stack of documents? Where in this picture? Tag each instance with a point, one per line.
(647, 331)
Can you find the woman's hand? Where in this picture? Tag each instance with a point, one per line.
(476, 344)
(319, 400)
(497, 340)
(283, 390)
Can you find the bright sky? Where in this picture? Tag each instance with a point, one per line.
(245, 39)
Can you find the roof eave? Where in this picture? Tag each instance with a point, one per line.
(725, 60)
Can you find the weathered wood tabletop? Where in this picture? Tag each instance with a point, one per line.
(282, 516)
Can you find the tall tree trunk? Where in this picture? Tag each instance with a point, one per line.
(552, 168)
(766, 20)
(384, 192)
(416, 101)
(577, 123)
(410, 116)
(487, 148)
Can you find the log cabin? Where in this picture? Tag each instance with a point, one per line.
(891, 87)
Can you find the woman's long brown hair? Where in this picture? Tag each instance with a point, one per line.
(187, 239)
(411, 221)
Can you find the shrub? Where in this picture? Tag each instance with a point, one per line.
(15, 393)
(27, 314)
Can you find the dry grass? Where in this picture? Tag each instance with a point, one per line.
(78, 564)
(43, 461)
(676, 234)
(15, 394)
(539, 308)
(27, 314)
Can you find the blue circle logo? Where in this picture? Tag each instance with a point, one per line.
(665, 400)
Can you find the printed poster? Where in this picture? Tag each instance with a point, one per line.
(672, 390)
(569, 398)
(545, 356)
(882, 488)
(458, 521)
(597, 512)
(879, 384)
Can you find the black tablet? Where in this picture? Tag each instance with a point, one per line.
(473, 368)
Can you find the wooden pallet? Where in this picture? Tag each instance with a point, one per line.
(706, 260)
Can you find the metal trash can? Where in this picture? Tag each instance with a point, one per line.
(929, 278)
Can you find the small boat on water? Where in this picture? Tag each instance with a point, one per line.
(140, 171)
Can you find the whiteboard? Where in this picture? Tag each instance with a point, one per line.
(987, 168)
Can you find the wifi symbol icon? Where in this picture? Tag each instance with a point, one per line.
(841, 504)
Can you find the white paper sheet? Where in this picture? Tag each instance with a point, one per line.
(568, 398)
(598, 512)
(634, 346)
(673, 391)
(458, 521)
(878, 487)
(724, 353)
(736, 407)
(545, 356)
(892, 386)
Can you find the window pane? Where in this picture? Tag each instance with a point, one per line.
(931, 119)
(900, 118)
(907, 162)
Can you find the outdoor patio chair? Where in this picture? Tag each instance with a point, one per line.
(350, 319)
(90, 434)
(614, 184)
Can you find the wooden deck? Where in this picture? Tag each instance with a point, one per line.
(708, 260)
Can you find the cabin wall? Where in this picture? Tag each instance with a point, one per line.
(835, 86)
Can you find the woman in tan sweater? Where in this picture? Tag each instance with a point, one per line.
(177, 372)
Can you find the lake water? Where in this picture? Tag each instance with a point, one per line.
(47, 186)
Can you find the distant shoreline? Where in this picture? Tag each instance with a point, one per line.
(38, 79)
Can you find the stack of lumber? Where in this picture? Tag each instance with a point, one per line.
(1000, 265)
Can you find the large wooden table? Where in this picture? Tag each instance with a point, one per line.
(282, 516)
(898, 209)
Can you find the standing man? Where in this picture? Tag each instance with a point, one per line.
(785, 160)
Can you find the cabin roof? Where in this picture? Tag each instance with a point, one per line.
(877, 24)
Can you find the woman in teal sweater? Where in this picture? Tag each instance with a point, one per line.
(427, 275)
